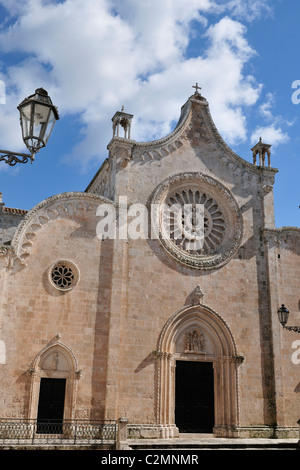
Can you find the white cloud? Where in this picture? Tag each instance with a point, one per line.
(95, 55)
(265, 108)
(249, 10)
(271, 134)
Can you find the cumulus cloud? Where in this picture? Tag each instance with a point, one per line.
(245, 9)
(271, 134)
(95, 55)
(273, 131)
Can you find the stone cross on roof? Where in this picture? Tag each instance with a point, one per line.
(197, 87)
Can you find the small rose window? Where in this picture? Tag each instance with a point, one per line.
(64, 275)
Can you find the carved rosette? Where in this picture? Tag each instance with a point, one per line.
(207, 200)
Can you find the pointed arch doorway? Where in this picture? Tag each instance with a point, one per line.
(54, 377)
(194, 396)
(197, 367)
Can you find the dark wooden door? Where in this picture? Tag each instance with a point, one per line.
(194, 397)
(51, 405)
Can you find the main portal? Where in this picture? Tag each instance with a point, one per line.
(194, 397)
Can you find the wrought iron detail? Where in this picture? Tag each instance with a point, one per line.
(35, 431)
(13, 158)
(292, 328)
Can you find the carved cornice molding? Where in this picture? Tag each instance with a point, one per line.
(236, 160)
(63, 205)
(184, 120)
(204, 124)
(282, 234)
(282, 230)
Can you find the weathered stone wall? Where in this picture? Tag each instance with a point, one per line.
(34, 312)
(157, 285)
(113, 321)
(10, 218)
(284, 268)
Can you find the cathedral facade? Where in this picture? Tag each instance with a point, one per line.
(153, 294)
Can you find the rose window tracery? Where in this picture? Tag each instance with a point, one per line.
(64, 275)
(197, 220)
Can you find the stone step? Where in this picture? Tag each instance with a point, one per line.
(194, 442)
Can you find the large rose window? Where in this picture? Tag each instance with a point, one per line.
(197, 220)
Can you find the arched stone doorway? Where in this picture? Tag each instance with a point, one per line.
(54, 373)
(197, 334)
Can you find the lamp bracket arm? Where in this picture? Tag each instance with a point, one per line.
(293, 328)
(11, 158)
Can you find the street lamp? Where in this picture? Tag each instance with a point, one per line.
(283, 315)
(37, 118)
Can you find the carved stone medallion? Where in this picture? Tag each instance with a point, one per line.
(197, 220)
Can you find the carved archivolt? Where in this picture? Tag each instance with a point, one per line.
(222, 226)
(54, 361)
(198, 333)
(205, 321)
(60, 206)
(56, 356)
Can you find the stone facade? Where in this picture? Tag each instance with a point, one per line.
(10, 218)
(114, 315)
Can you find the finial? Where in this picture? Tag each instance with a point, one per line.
(122, 108)
(197, 87)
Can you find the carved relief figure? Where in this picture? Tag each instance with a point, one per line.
(194, 341)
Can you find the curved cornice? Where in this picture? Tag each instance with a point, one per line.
(58, 206)
(225, 147)
(182, 123)
(159, 148)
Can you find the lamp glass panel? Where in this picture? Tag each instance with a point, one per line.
(41, 114)
(25, 115)
(283, 314)
(50, 125)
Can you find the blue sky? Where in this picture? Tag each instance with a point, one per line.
(93, 56)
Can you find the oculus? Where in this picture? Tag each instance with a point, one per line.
(197, 220)
(64, 275)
